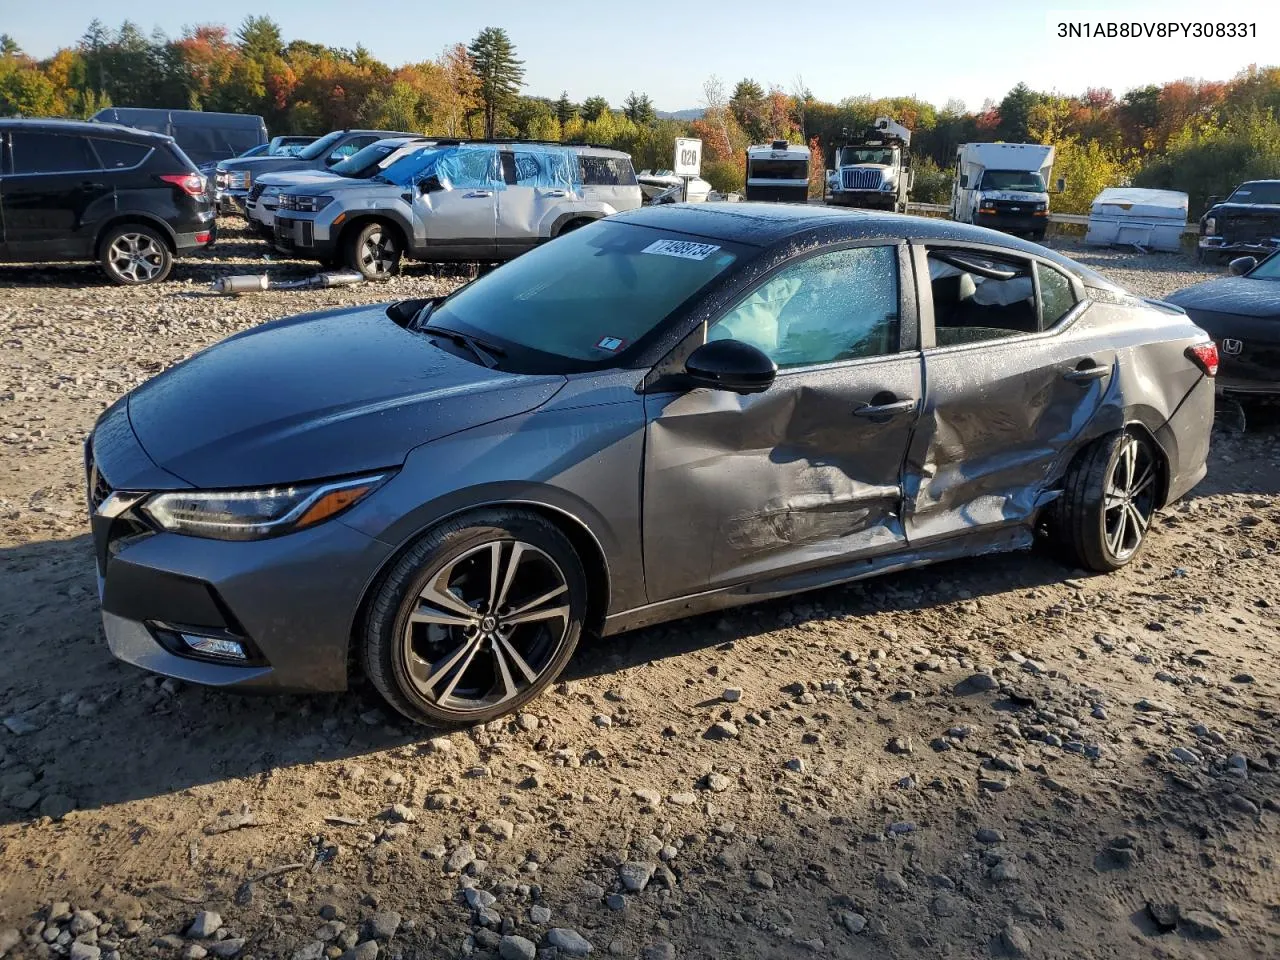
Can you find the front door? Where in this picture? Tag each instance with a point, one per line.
(808, 472)
(462, 218)
(49, 197)
(1012, 380)
(538, 184)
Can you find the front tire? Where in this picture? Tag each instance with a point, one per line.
(133, 255)
(374, 251)
(1108, 501)
(476, 619)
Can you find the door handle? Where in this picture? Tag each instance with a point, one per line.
(90, 185)
(555, 193)
(885, 409)
(478, 193)
(1087, 374)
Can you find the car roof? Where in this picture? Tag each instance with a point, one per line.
(1248, 182)
(92, 128)
(770, 224)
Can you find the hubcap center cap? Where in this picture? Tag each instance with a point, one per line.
(488, 624)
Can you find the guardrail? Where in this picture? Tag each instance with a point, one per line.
(1078, 219)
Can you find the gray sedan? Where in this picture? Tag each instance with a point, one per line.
(674, 410)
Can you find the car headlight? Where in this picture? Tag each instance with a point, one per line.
(1210, 225)
(256, 514)
(886, 185)
(238, 180)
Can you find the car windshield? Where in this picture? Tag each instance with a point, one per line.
(770, 169)
(1025, 180)
(1268, 269)
(585, 297)
(370, 156)
(411, 168)
(319, 148)
(852, 155)
(1256, 193)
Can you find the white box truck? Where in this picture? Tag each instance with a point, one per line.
(778, 172)
(1003, 186)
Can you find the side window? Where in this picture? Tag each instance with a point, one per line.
(541, 168)
(979, 297)
(1056, 296)
(118, 154)
(606, 171)
(829, 307)
(472, 167)
(51, 153)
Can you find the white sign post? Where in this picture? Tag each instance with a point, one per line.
(688, 161)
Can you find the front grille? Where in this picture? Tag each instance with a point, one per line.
(1016, 207)
(99, 489)
(256, 191)
(860, 179)
(1249, 229)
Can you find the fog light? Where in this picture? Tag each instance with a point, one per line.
(214, 646)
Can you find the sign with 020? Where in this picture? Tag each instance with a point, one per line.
(688, 159)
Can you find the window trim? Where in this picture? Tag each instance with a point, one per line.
(928, 340)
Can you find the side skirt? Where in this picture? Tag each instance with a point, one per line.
(952, 548)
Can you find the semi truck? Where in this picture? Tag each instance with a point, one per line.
(873, 170)
(778, 172)
(1003, 186)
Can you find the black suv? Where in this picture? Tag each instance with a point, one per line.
(1247, 222)
(129, 199)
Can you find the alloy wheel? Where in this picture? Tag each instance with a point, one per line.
(378, 254)
(136, 257)
(1130, 498)
(486, 626)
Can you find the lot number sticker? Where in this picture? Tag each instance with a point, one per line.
(683, 249)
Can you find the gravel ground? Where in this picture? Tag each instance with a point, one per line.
(995, 758)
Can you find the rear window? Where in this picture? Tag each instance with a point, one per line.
(1268, 193)
(606, 171)
(51, 153)
(779, 170)
(119, 154)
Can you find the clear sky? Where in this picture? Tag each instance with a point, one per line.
(931, 49)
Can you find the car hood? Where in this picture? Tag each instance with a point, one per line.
(1234, 295)
(257, 165)
(320, 395)
(297, 178)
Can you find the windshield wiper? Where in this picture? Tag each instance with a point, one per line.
(486, 352)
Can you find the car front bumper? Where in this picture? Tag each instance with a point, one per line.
(290, 602)
(869, 199)
(1012, 222)
(302, 237)
(1241, 248)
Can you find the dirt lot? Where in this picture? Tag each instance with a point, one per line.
(994, 758)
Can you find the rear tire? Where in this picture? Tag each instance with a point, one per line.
(476, 619)
(374, 251)
(133, 255)
(1108, 501)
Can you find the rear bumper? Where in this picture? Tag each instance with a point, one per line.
(1239, 387)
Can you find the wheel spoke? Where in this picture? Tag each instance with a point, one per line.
(440, 596)
(549, 595)
(499, 596)
(529, 673)
(1147, 479)
(531, 616)
(1116, 537)
(509, 688)
(457, 675)
(429, 614)
(1137, 521)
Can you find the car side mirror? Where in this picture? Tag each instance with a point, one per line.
(1060, 186)
(964, 181)
(430, 184)
(731, 365)
(1241, 265)
(1214, 200)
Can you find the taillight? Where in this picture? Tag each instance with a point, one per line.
(192, 184)
(1204, 356)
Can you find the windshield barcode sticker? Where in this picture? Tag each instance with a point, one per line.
(684, 249)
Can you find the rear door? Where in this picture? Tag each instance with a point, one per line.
(54, 196)
(808, 473)
(1012, 380)
(535, 183)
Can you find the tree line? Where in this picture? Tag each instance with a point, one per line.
(1198, 136)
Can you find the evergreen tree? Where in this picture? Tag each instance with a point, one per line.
(594, 107)
(501, 75)
(639, 109)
